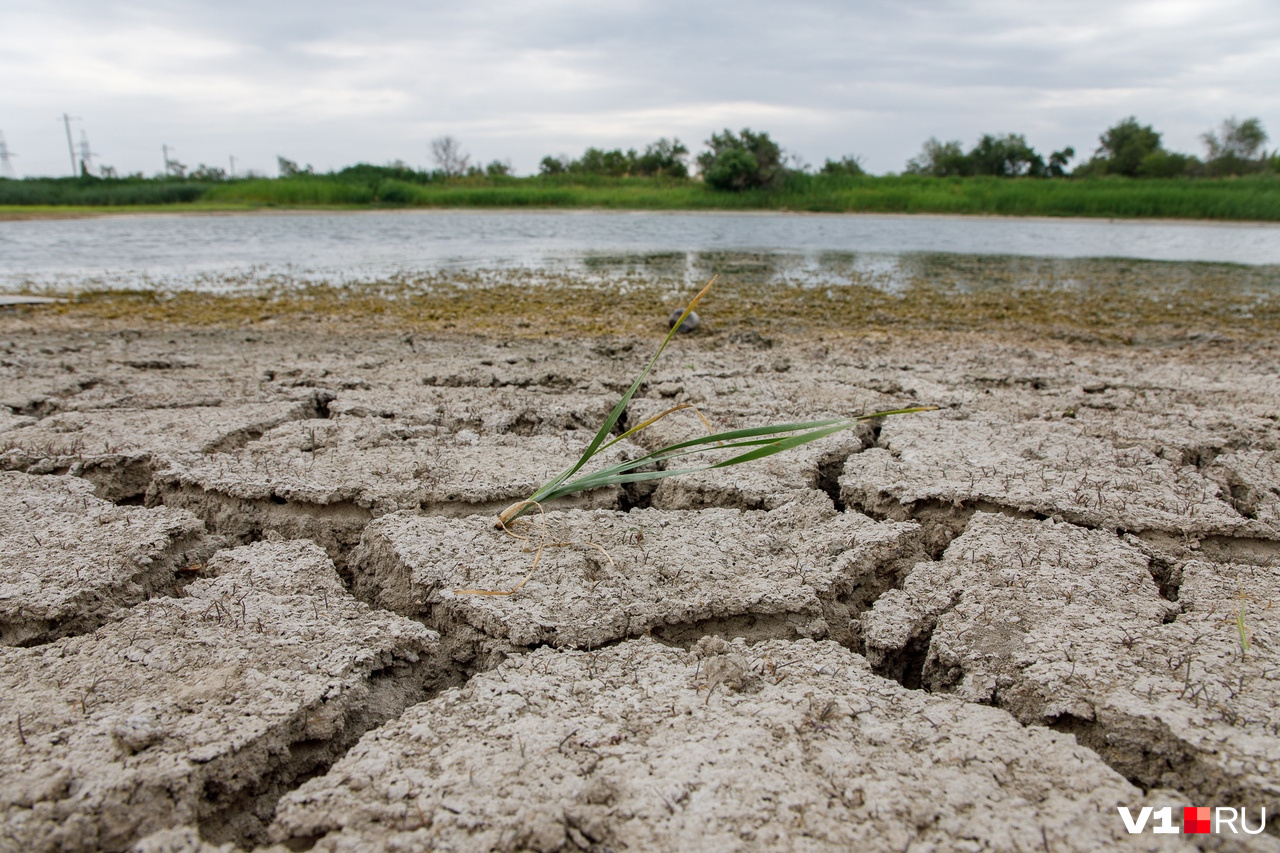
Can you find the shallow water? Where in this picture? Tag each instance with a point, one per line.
(226, 251)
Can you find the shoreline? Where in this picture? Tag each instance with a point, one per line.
(1102, 301)
(17, 214)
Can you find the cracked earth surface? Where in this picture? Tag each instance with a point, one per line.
(230, 617)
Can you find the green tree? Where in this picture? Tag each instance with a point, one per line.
(1058, 161)
(288, 168)
(940, 160)
(1238, 150)
(1007, 156)
(553, 166)
(373, 176)
(741, 161)
(1241, 139)
(207, 173)
(664, 158)
(1124, 146)
(847, 166)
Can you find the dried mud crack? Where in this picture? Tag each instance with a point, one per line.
(229, 607)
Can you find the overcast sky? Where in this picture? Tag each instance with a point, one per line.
(333, 83)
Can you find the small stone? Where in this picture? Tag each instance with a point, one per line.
(690, 323)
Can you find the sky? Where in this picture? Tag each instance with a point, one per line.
(331, 83)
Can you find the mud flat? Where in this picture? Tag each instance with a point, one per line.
(235, 564)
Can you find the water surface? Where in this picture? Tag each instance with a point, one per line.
(224, 251)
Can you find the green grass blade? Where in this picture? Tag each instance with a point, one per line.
(553, 488)
(617, 411)
(756, 442)
(731, 439)
(760, 448)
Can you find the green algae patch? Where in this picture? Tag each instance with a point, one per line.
(15, 212)
(1094, 300)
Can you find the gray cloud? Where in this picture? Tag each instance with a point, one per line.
(333, 83)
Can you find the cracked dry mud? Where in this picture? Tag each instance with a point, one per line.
(230, 617)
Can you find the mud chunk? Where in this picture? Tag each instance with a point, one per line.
(1066, 627)
(824, 755)
(9, 421)
(325, 479)
(800, 570)
(1038, 467)
(1250, 482)
(118, 450)
(200, 709)
(181, 840)
(486, 411)
(68, 559)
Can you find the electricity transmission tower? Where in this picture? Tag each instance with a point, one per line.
(6, 167)
(172, 168)
(71, 148)
(86, 156)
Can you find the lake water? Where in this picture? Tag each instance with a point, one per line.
(221, 251)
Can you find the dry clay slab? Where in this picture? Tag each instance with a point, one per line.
(496, 411)
(1037, 467)
(1066, 627)
(9, 421)
(118, 450)
(68, 559)
(801, 570)
(200, 709)
(326, 479)
(782, 745)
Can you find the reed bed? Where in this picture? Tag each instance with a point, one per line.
(1253, 198)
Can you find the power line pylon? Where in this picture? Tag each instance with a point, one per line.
(71, 148)
(86, 155)
(6, 167)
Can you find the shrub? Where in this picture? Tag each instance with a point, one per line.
(552, 166)
(664, 158)
(395, 192)
(746, 160)
(846, 166)
(1166, 164)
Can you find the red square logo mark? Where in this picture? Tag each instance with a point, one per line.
(1195, 819)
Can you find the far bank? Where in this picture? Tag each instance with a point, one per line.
(1251, 198)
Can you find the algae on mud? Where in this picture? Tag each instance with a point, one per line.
(1105, 300)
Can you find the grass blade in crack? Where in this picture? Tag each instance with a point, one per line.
(762, 442)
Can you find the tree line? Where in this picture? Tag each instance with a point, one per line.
(1127, 148)
(753, 160)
